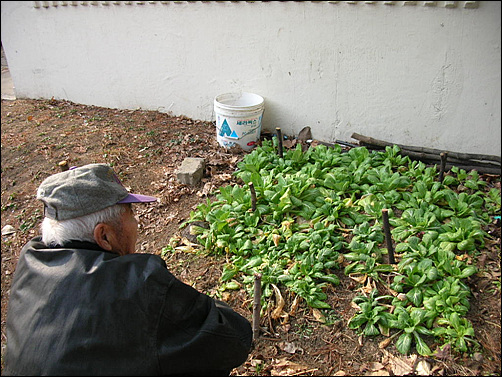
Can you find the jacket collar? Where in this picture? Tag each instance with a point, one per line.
(72, 244)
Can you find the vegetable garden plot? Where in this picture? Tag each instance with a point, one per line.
(321, 210)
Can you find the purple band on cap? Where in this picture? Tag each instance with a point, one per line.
(136, 198)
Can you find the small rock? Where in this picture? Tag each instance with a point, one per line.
(8, 229)
(290, 347)
(478, 357)
(191, 171)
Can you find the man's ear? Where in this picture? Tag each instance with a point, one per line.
(102, 236)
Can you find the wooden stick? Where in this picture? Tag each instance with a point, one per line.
(455, 161)
(279, 139)
(253, 196)
(388, 238)
(444, 156)
(460, 156)
(468, 165)
(256, 305)
(488, 166)
(478, 168)
(345, 144)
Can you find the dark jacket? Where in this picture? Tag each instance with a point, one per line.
(79, 310)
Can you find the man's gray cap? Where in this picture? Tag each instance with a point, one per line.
(84, 190)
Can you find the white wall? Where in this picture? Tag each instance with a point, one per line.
(425, 73)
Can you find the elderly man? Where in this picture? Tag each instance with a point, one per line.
(83, 303)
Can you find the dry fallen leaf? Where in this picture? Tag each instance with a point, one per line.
(384, 343)
(284, 367)
(400, 366)
(319, 317)
(276, 238)
(444, 353)
(256, 362)
(294, 306)
(370, 286)
(359, 278)
(401, 296)
(381, 372)
(279, 302)
(376, 369)
(423, 368)
(290, 143)
(340, 373)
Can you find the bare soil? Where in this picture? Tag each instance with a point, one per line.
(145, 149)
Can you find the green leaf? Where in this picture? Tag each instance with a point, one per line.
(454, 320)
(421, 346)
(232, 285)
(466, 245)
(333, 279)
(461, 345)
(402, 247)
(403, 344)
(449, 180)
(356, 321)
(248, 245)
(318, 304)
(229, 271)
(432, 274)
(468, 271)
(253, 262)
(371, 330)
(384, 268)
(415, 296)
(424, 331)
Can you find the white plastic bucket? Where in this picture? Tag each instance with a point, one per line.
(238, 119)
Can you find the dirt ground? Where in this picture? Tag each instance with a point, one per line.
(145, 149)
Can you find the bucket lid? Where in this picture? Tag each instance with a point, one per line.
(239, 100)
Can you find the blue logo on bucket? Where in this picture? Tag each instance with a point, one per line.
(227, 131)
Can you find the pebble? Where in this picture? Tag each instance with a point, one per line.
(8, 229)
(477, 357)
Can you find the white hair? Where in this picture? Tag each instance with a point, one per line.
(81, 228)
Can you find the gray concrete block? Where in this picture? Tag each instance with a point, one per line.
(191, 171)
